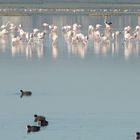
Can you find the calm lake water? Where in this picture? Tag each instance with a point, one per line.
(92, 94)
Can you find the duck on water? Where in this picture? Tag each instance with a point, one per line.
(25, 93)
(39, 118)
(32, 128)
(137, 135)
(43, 123)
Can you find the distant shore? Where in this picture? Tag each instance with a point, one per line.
(21, 9)
(69, 5)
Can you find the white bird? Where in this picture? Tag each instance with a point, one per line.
(127, 33)
(107, 24)
(91, 30)
(54, 37)
(15, 41)
(137, 33)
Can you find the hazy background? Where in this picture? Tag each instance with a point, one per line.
(45, 1)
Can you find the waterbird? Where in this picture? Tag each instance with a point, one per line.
(137, 135)
(32, 128)
(42, 122)
(107, 23)
(39, 118)
(25, 93)
(15, 41)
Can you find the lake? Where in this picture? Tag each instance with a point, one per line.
(90, 93)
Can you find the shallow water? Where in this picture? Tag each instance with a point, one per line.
(91, 95)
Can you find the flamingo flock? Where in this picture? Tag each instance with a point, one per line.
(102, 37)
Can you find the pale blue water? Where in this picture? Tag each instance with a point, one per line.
(83, 98)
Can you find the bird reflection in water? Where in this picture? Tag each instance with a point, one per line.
(53, 35)
(131, 48)
(3, 43)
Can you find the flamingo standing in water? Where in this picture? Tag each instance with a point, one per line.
(54, 35)
(108, 28)
(127, 33)
(137, 33)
